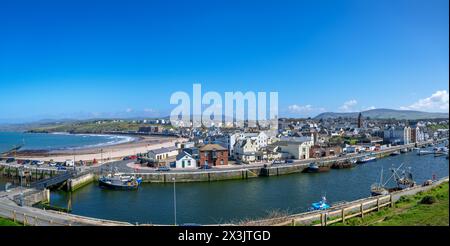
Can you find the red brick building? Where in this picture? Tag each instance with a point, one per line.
(213, 155)
(319, 151)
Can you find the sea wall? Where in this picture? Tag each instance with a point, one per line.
(198, 176)
(80, 181)
(30, 174)
(32, 197)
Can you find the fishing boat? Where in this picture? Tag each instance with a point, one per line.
(425, 152)
(402, 178)
(366, 159)
(395, 153)
(120, 181)
(316, 168)
(441, 151)
(344, 164)
(322, 205)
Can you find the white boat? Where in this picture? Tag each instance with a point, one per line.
(366, 159)
(425, 152)
(395, 153)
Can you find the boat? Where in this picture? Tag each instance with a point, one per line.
(366, 159)
(425, 152)
(395, 153)
(405, 150)
(344, 164)
(119, 181)
(316, 168)
(322, 205)
(403, 179)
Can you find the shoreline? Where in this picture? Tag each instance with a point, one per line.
(138, 144)
(130, 139)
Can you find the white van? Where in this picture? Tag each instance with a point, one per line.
(69, 163)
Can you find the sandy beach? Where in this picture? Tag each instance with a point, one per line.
(141, 145)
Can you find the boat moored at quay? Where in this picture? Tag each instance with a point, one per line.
(366, 159)
(119, 181)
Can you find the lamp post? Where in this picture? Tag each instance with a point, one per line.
(174, 201)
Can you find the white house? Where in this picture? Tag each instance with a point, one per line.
(296, 147)
(185, 160)
(245, 150)
(163, 153)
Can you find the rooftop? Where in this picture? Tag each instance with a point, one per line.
(212, 147)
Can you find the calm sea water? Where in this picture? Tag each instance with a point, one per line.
(224, 201)
(43, 141)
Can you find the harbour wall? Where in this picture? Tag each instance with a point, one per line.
(80, 181)
(32, 196)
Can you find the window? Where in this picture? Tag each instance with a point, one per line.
(221, 162)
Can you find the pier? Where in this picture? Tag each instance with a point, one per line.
(28, 215)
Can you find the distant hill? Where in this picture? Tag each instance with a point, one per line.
(385, 114)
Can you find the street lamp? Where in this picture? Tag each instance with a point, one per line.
(174, 201)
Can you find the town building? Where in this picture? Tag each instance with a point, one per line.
(213, 155)
(163, 153)
(186, 161)
(324, 151)
(296, 147)
(397, 135)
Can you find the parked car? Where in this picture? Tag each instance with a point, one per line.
(34, 163)
(40, 163)
(163, 169)
(9, 160)
(25, 162)
(69, 163)
(62, 168)
(289, 161)
(52, 164)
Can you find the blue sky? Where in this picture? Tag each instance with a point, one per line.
(121, 58)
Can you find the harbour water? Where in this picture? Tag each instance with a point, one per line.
(43, 141)
(220, 202)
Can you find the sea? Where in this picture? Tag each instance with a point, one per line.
(58, 141)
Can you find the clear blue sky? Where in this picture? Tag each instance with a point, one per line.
(81, 58)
